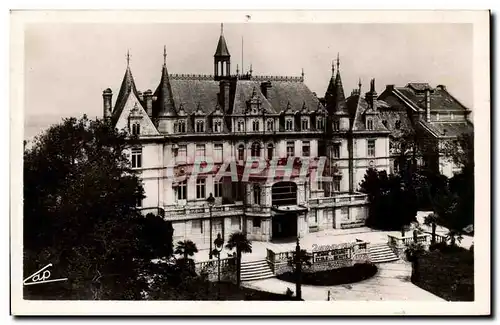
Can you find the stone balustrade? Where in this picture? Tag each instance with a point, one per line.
(399, 243)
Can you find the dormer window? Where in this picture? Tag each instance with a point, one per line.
(336, 125)
(289, 124)
(181, 126)
(217, 126)
(398, 124)
(369, 124)
(305, 124)
(320, 123)
(270, 125)
(255, 126)
(200, 126)
(136, 129)
(241, 126)
(255, 150)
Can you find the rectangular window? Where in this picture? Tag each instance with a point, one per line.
(235, 223)
(182, 127)
(371, 148)
(181, 153)
(218, 152)
(200, 188)
(200, 126)
(369, 124)
(182, 191)
(217, 188)
(336, 150)
(200, 150)
(256, 222)
(197, 226)
(320, 123)
(256, 194)
(136, 157)
(306, 148)
(290, 149)
(305, 125)
(289, 125)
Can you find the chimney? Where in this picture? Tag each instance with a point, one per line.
(264, 87)
(148, 99)
(371, 95)
(427, 104)
(224, 95)
(107, 96)
(389, 87)
(442, 87)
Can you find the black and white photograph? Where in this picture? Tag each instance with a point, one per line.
(339, 158)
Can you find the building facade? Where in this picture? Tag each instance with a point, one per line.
(277, 160)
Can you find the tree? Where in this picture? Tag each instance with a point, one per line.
(239, 241)
(431, 220)
(80, 212)
(186, 249)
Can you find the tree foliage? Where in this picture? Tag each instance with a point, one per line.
(80, 213)
(239, 241)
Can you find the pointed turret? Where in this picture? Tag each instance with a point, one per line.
(165, 100)
(222, 58)
(127, 87)
(335, 97)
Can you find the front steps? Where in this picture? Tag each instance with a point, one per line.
(381, 253)
(255, 270)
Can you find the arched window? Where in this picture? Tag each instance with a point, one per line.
(320, 123)
(241, 152)
(255, 150)
(305, 124)
(182, 127)
(289, 125)
(241, 126)
(256, 194)
(270, 151)
(217, 126)
(270, 125)
(255, 126)
(200, 126)
(136, 129)
(369, 124)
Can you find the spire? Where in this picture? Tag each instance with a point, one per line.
(359, 84)
(221, 29)
(164, 55)
(237, 69)
(164, 105)
(127, 87)
(335, 97)
(338, 62)
(302, 74)
(128, 58)
(222, 46)
(333, 69)
(251, 69)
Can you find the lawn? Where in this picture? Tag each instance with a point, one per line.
(345, 275)
(448, 273)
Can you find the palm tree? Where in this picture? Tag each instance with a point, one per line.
(186, 249)
(413, 253)
(431, 220)
(453, 236)
(239, 241)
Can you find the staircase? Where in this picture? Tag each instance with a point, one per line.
(255, 270)
(381, 253)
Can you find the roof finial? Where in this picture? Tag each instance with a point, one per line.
(333, 68)
(164, 55)
(302, 74)
(359, 84)
(128, 58)
(237, 69)
(338, 61)
(251, 69)
(221, 28)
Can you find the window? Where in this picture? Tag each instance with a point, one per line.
(182, 190)
(241, 152)
(200, 188)
(371, 148)
(305, 124)
(197, 226)
(289, 125)
(241, 125)
(136, 129)
(369, 124)
(182, 153)
(218, 152)
(200, 126)
(255, 126)
(270, 151)
(437, 116)
(217, 126)
(452, 116)
(336, 125)
(290, 149)
(217, 188)
(344, 211)
(182, 127)
(255, 150)
(306, 148)
(270, 125)
(320, 123)
(336, 185)
(235, 223)
(256, 194)
(336, 150)
(200, 150)
(136, 157)
(256, 222)
(398, 124)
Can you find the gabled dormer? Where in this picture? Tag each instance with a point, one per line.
(254, 104)
(217, 120)
(199, 119)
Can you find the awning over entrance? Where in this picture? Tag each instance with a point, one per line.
(288, 208)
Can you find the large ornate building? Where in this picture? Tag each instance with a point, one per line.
(273, 130)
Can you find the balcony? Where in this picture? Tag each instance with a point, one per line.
(190, 212)
(340, 200)
(257, 211)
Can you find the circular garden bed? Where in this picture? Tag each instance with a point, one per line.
(345, 275)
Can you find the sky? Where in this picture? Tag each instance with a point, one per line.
(68, 65)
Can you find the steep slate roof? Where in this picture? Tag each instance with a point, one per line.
(335, 96)
(127, 87)
(191, 92)
(243, 93)
(447, 129)
(357, 107)
(441, 99)
(282, 92)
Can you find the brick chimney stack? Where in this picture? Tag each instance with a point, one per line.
(107, 98)
(264, 88)
(224, 94)
(427, 104)
(148, 99)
